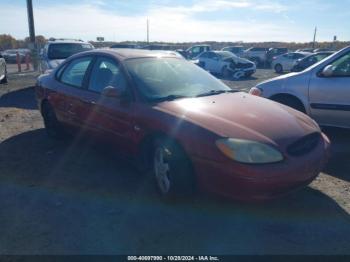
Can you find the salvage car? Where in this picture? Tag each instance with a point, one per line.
(303, 63)
(3, 71)
(321, 91)
(188, 127)
(286, 62)
(226, 64)
(57, 50)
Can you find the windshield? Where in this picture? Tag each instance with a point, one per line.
(62, 51)
(158, 78)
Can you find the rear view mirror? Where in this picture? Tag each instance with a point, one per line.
(327, 71)
(111, 91)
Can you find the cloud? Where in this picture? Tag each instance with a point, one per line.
(174, 23)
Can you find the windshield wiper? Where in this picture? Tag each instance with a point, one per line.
(168, 98)
(216, 92)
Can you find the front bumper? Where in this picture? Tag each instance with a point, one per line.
(260, 182)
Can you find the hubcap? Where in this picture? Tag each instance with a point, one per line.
(161, 169)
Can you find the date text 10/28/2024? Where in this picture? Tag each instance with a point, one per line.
(173, 258)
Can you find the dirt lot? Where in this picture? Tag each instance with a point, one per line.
(77, 198)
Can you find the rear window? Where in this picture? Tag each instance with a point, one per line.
(65, 50)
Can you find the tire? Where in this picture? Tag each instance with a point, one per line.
(278, 69)
(172, 169)
(52, 125)
(238, 75)
(290, 101)
(4, 80)
(225, 72)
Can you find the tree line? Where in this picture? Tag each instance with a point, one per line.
(9, 42)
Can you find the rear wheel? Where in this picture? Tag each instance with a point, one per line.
(52, 125)
(172, 169)
(278, 68)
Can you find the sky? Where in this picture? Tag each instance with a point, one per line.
(181, 20)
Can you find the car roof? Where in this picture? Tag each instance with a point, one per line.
(127, 53)
(68, 41)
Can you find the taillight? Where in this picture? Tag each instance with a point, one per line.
(255, 91)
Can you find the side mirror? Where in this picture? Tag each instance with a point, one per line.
(111, 91)
(327, 71)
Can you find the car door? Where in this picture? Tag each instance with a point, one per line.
(330, 96)
(212, 64)
(70, 87)
(288, 61)
(109, 118)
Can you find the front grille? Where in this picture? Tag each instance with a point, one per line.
(244, 65)
(304, 145)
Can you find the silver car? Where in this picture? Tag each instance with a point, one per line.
(322, 91)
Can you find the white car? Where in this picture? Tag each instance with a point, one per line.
(322, 91)
(226, 64)
(3, 71)
(287, 61)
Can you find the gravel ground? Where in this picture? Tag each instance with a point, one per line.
(77, 198)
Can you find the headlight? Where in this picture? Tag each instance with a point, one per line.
(250, 152)
(255, 91)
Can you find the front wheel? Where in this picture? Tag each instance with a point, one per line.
(172, 169)
(278, 69)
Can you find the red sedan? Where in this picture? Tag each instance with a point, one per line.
(189, 127)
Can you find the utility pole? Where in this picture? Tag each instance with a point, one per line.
(32, 33)
(31, 21)
(147, 31)
(313, 43)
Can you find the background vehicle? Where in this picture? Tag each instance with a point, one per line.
(305, 50)
(256, 54)
(303, 63)
(10, 56)
(226, 64)
(286, 62)
(274, 52)
(57, 50)
(3, 71)
(196, 50)
(185, 125)
(159, 47)
(237, 50)
(321, 91)
(124, 46)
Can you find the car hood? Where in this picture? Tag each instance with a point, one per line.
(237, 59)
(280, 78)
(240, 115)
(55, 62)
